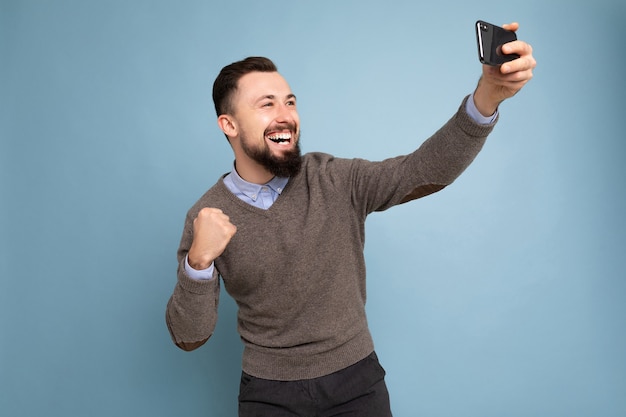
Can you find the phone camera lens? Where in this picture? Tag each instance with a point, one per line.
(483, 28)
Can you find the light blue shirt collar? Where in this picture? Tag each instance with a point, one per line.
(252, 191)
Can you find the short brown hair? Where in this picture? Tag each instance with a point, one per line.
(226, 82)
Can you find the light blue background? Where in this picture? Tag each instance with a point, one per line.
(503, 295)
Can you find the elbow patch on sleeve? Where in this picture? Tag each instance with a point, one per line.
(189, 346)
(422, 191)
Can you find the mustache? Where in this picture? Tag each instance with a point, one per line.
(282, 126)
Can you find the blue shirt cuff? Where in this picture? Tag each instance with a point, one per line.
(473, 112)
(199, 274)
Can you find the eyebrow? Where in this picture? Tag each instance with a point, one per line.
(273, 97)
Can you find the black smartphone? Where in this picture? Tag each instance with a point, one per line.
(490, 39)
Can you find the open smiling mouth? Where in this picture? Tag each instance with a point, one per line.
(283, 139)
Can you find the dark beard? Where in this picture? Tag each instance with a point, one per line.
(286, 166)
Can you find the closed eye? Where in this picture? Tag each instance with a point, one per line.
(269, 101)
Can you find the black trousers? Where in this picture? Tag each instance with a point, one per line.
(356, 391)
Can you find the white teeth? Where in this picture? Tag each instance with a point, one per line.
(280, 137)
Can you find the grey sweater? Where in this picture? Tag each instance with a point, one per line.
(297, 270)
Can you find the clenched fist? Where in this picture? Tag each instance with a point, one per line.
(212, 231)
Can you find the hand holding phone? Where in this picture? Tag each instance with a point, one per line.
(490, 39)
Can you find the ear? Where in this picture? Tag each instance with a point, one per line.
(228, 125)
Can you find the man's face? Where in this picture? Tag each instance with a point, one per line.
(269, 126)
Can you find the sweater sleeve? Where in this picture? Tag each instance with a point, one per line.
(377, 186)
(191, 313)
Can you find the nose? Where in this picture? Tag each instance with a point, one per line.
(286, 114)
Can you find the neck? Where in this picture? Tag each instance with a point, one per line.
(253, 172)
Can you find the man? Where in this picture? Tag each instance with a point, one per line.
(285, 233)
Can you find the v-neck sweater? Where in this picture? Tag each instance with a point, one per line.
(297, 270)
